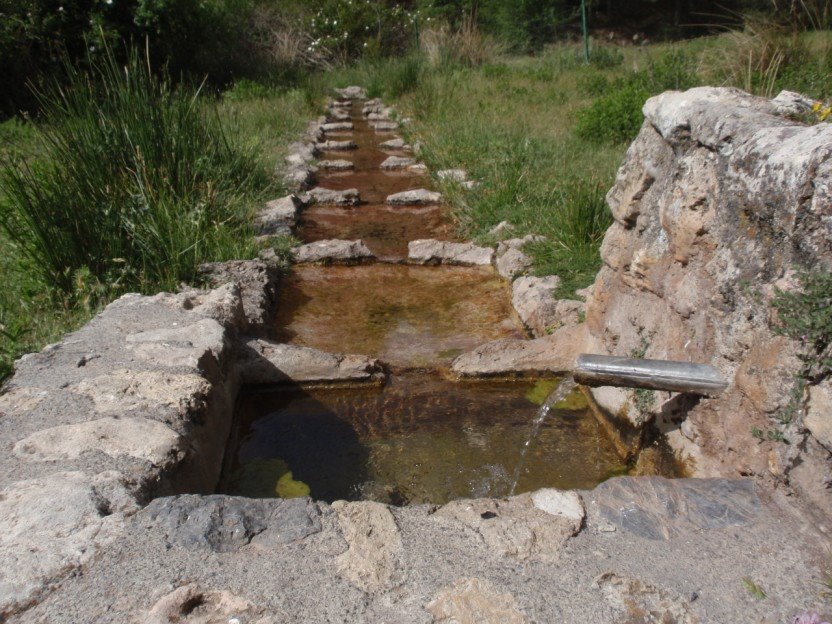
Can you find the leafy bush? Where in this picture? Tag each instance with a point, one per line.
(616, 115)
(138, 184)
(605, 57)
(593, 83)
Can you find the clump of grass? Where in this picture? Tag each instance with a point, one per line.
(466, 45)
(512, 132)
(138, 184)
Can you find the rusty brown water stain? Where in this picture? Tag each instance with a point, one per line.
(408, 316)
(419, 439)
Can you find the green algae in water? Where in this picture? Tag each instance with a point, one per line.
(419, 439)
(543, 388)
(267, 478)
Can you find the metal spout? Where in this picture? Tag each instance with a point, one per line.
(606, 370)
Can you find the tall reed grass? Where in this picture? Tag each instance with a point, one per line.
(137, 184)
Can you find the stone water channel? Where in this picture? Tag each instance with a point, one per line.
(421, 436)
(113, 440)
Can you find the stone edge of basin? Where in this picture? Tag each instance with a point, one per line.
(134, 405)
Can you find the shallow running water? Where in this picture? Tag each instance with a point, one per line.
(408, 316)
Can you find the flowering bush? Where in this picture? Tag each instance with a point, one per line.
(820, 111)
(347, 29)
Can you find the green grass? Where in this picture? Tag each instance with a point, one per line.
(510, 125)
(131, 186)
(128, 184)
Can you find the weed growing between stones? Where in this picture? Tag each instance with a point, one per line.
(804, 316)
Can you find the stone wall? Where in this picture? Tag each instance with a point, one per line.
(718, 201)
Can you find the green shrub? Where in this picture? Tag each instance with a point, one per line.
(245, 89)
(615, 117)
(605, 57)
(138, 183)
(593, 83)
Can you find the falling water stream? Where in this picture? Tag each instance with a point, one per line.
(558, 394)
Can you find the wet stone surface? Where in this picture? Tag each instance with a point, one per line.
(419, 439)
(407, 316)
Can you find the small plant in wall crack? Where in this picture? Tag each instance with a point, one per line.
(643, 398)
(804, 316)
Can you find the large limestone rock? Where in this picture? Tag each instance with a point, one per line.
(818, 418)
(125, 390)
(278, 217)
(258, 284)
(333, 251)
(431, 251)
(717, 201)
(191, 605)
(521, 527)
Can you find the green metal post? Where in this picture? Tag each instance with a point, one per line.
(585, 31)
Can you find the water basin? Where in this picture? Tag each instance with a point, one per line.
(419, 439)
(408, 316)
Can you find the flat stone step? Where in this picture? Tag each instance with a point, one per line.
(395, 144)
(320, 195)
(335, 126)
(336, 165)
(336, 146)
(352, 93)
(397, 162)
(415, 197)
(384, 126)
(431, 251)
(266, 362)
(333, 251)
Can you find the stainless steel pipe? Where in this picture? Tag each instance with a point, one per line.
(606, 370)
